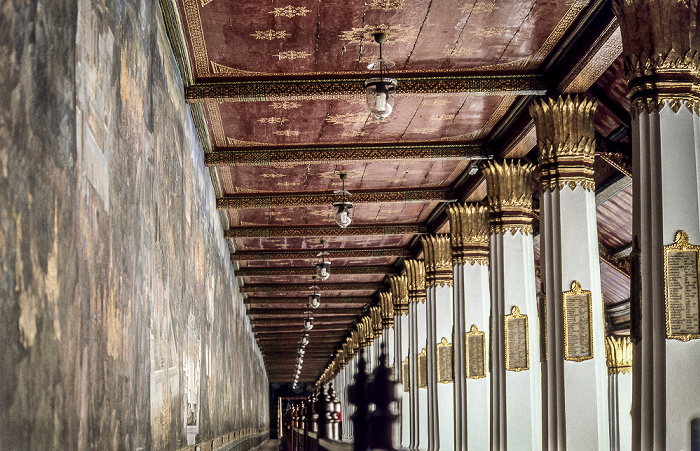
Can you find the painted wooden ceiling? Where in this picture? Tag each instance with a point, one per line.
(276, 91)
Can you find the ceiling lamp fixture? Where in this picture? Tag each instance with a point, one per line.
(308, 321)
(314, 296)
(343, 209)
(323, 267)
(380, 90)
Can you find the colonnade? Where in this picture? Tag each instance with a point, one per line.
(489, 362)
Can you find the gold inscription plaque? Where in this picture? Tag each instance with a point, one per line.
(405, 375)
(445, 362)
(578, 324)
(423, 369)
(516, 338)
(681, 288)
(542, 323)
(475, 345)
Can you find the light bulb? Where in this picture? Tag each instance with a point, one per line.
(380, 101)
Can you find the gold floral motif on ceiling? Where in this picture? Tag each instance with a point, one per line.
(273, 120)
(346, 119)
(386, 5)
(487, 32)
(220, 69)
(287, 132)
(270, 34)
(285, 105)
(394, 33)
(269, 175)
(241, 143)
(292, 55)
(290, 11)
(424, 131)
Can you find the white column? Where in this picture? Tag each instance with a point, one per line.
(576, 407)
(666, 167)
(438, 268)
(399, 296)
(516, 393)
(618, 353)
(417, 316)
(469, 231)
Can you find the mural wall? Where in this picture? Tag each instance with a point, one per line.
(121, 324)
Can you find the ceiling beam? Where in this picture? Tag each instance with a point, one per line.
(310, 271)
(246, 156)
(347, 286)
(305, 232)
(340, 301)
(331, 88)
(312, 254)
(268, 200)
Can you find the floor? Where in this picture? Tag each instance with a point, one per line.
(268, 445)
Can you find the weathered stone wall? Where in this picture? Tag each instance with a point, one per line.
(120, 318)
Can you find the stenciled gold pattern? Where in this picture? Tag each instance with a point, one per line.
(270, 34)
(292, 55)
(398, 285)
(469, 233)
(394, 33)
(387, 308)
(566, 141)
(386, 5)
(618, 354)
(290, 11)
(509, 186)
(415, 278)
(346, 119)
(273, 120)
(438, 260)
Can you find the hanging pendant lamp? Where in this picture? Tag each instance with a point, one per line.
(381, 90)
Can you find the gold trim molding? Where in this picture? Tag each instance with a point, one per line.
(437, 251)
(618, 354)
(565, 128)
(469, 233)
(415, 280)
(398, 285)
(509, 187)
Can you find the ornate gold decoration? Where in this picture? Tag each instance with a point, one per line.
(270, 34)
(566, 141)
(423, 130)
(469, 233)
(510, 321)
(387, 308)
(475, 338)
(405, 378)
(312, 254)
(196, 32)
(375, 313)
(509, 186)
(220, 69)
(274, 120)
(487, 32)
(346, 119)
(682, 288)
(265, 200)
(394, 33)
(661, 54)
(355, 339)
(398, 286)
(290, 11)
(278, 157)
(570, 296)
(438, 260)
(285, 105)
(618, 354)
(287, 132)
(415, 278)
(292, 55)
(445, 362)
(386, 5)
(422, 369)
(279, 232)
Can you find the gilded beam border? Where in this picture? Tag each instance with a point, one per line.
(279, 232)
(312, 254)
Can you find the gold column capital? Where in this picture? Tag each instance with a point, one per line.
(565, 140)
(375, 313)
(355, 339)
(415, 278)
(437, 251)
(509, 186)
(469, 233)
(398, 285)
(367, 330)
(387, 309)
(618, 354)
(660, 47)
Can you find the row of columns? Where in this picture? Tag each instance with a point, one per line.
(528, 370)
